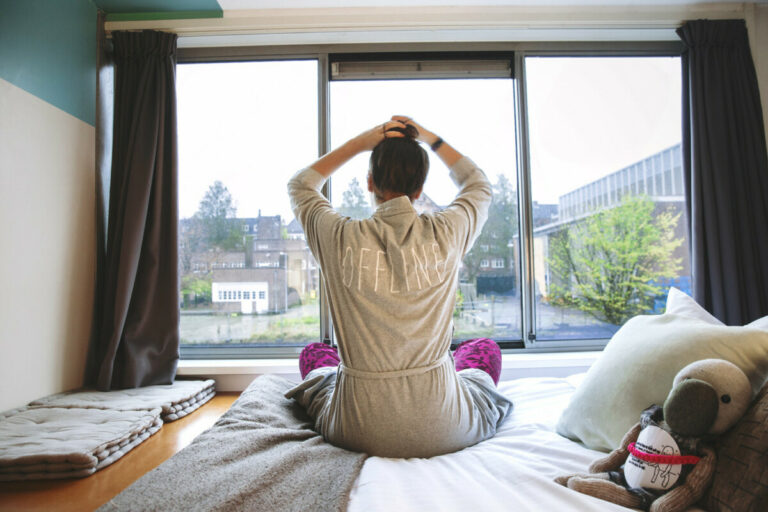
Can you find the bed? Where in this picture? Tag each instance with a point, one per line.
(263, 454)
(512, 471)
(515, 469)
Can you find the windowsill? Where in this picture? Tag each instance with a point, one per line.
(236, 374)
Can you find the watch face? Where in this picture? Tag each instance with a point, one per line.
(651, 475)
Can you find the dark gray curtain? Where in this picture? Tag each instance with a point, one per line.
(137, 343)
(726, 170)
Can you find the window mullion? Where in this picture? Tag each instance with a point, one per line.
(324, 146)
(527, 292)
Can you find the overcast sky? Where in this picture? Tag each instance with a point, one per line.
(252, 125)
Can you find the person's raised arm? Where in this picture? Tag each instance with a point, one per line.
(366, 141)
(311, 208)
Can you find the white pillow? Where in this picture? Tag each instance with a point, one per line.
(638, 365)
(679, 303)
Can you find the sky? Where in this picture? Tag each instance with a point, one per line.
(252, 125)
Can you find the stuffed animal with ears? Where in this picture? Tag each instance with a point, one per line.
(665, 462)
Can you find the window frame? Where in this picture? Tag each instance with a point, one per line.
(631, 49)
(324, 54)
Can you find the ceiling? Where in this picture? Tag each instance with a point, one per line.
(219, 6)
(285, 22)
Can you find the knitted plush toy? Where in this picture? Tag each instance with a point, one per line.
(664, 463)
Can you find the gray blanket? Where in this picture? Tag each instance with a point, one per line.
(261, 455)
(176, 400)
(74, 434)
(58, 442)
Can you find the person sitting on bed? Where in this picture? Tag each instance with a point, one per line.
(392, 389)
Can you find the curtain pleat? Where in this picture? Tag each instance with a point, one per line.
(138, 339)
(726, 170)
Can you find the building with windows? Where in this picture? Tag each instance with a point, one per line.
(267, 227)
(273, 271)
(250, 296)
(659, 177)
(498, 273)
(249, 290)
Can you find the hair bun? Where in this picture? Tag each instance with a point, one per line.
(409, 131)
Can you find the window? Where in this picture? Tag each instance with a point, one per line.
(234, 162)
(616, 127)
(481, 94)
(600, 146)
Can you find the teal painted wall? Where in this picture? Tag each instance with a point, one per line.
(48, 48)
(129, 10)
(126, 6)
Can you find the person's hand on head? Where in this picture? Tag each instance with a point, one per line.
(422, 135)
(447, 153)
(369, 139)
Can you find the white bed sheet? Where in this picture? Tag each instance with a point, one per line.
(512, 471)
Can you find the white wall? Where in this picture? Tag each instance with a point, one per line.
(47, 251)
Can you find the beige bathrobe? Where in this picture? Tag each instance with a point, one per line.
(392, 280)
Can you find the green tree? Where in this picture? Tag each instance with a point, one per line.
(609, 264)
(354, 202)
(216, 218)
(497, 234)
(211, 230)
(196, 290)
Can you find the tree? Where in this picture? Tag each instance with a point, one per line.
(216, 217)
(498, 232)
(354, 202)
(211, 230)
(610, 264)
(195, 290)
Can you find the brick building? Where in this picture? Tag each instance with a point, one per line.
(273, 272)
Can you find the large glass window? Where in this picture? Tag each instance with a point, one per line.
(477, 116)
(247, 276)
(609, 233)
(600, 192)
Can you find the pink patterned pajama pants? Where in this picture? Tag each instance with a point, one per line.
(480, 353)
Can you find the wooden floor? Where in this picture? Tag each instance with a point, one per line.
(82, 494)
